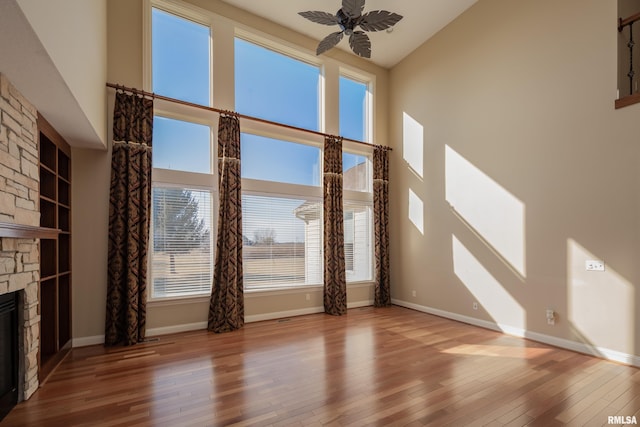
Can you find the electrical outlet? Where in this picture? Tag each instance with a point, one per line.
(594, 265)
(551, 317)
(413, 294)
(475, 305)
(307, 296)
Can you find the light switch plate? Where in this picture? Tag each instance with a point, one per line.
(594, 265)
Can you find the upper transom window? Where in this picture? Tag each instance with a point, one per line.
(276, 87)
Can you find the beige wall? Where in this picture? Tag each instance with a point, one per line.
(507, 114)
(91, 183)
(70, 39)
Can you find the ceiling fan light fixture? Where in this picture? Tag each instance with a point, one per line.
(349, 18)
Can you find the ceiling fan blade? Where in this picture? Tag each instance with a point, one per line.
(353, 8)
(328, 42)
(320, 17)
(360, 44)
(378, 20)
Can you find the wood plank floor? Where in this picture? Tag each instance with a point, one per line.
(371, 367)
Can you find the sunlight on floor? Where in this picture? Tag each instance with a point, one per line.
(496, 215)
(490, 293)
(600, 303)
(498, 351)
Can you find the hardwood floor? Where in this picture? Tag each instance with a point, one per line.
(371, 367)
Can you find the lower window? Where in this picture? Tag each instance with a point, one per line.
(357, 241)
(182, 256)
(282, 241)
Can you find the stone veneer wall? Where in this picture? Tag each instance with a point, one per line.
(19, 204)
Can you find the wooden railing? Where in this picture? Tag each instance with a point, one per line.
(631, 98)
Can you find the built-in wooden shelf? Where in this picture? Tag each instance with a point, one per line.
(55, 249)
(18, 231)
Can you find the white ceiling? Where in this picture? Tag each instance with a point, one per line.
(421, 20)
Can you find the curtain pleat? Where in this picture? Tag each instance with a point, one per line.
(226, 310)
(381, 226)
(335, 283)
(129, 220)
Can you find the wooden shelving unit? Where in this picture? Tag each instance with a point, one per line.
(55, 251)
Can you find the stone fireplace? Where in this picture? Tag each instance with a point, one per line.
(19, 224)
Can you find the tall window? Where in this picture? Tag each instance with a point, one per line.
(358, 184)
(281, 213)
(184, 189)
(358, 204)
(282, 204)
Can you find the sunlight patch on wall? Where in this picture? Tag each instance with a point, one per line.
(413, 143)
(493, 297)
(600, 303)
(495, 214)
(416, 211)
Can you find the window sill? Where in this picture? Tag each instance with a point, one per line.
(251, 293)
(255, 293)
(162, 302)
(625, 101)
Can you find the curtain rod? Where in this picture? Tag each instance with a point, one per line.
(242, 116)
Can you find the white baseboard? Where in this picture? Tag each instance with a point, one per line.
(99, 339)
(360, 304)
(87, 341)
(175, 329)
(282, 314)
(300, 312)
(604, 353)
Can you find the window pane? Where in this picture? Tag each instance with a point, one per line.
(282, 242)
(353, 109)
(181, 145)
(182, 256)
(279, 161)
(357, 172)
(357, 241)
(276, 87)
(180, 56)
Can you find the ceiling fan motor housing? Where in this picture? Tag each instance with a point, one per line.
(346, 23)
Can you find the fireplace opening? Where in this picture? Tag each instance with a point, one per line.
(8, 353)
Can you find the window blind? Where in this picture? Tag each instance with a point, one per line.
(282, 241)
(182, 258)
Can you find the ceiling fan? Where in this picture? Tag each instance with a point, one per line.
(349, 17)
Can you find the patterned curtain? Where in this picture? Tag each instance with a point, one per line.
(129, 216)
(381, 226)
(335, 282)
(226, 311)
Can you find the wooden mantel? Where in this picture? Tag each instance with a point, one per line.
(19, 231)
